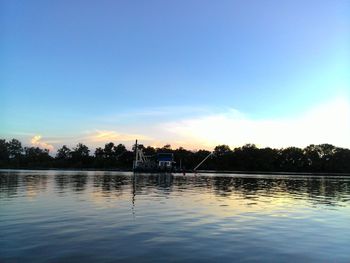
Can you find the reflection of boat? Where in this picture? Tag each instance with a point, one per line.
(160, 162)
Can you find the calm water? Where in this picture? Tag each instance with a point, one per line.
(65, 216)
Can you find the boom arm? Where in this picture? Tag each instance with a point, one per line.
(203, 161)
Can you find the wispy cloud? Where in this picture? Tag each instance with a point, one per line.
(160, 113)
(109, 135)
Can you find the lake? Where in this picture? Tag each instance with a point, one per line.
(92, 216)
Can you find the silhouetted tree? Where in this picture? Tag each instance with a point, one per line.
(81, 151)
(291, 159)
(109, 150)
(36, 157)
(99, 153)
(313, 158)
(184, 157)
(80, 155)
(4, 153)
(64, 153)
(221, 150)
(15, 149)
(341, 161)
(165, 148)
(119, 149)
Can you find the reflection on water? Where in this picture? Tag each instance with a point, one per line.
(56, 216)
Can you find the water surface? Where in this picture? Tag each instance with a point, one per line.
(70, 216)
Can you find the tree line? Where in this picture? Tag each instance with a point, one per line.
(313, 158)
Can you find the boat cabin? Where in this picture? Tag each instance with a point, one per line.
(165, 160)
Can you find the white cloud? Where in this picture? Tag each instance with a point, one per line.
(326, 123)
(37, 141)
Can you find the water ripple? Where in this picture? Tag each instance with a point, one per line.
(74, 216)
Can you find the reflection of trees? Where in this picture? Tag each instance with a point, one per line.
(318, 189)
(111, 183)
(78, 182)
(146, 183)
(75, 181)
(34, 183)
(325, 190)
(8, 184)
(62, 181)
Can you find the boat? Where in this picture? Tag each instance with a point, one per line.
(160, 162)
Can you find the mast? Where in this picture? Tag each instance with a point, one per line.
(136, 155)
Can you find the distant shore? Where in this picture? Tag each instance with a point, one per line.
(323, 159)
(178, 172)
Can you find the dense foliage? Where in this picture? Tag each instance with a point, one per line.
(314, 158)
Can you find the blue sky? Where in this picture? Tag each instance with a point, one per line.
(73, 70)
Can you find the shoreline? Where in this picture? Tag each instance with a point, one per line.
(179, 172)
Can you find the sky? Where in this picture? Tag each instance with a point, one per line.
(187, 73)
